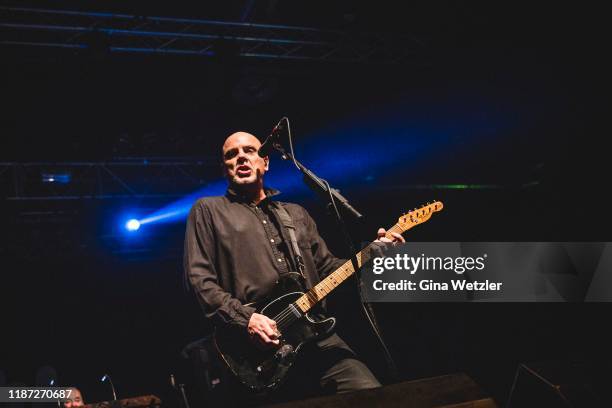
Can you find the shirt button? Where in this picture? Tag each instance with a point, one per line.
(280, 259)
(264, 221)
(272, 240)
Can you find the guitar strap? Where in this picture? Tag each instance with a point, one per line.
(289, 226)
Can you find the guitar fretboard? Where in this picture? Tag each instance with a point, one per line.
(334, 279)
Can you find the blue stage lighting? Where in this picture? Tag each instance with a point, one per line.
(132, 225)
(57, 178)
(178, 210)
(387, 144)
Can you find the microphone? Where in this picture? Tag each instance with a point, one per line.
(106, 377)
(59, 401)
(181, 389)
(271, 140)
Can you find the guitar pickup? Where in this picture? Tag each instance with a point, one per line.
(295, 311)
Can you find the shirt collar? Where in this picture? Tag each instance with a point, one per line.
(235, 196)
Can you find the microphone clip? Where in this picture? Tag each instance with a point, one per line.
(271, 141)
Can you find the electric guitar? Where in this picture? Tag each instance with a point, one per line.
(264, 370)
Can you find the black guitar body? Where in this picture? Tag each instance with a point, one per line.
(264, 370)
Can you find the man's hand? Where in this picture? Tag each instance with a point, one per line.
(386, 241)
(263, 331)
(382, 243)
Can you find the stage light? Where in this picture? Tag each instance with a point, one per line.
(57, 178)
(132, 225)
(179, 209)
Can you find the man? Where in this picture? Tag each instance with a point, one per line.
(236, 248)
(75, 399)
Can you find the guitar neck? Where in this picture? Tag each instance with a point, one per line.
(318, 292)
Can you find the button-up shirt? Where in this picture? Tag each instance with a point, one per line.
(235, 252)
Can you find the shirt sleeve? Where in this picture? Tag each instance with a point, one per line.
(199, 263)
(325, 261)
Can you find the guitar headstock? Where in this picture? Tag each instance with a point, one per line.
(419, 215)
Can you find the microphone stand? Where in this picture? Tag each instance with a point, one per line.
(105, 378)
(181, 389)
(326, 192)
(321, 187)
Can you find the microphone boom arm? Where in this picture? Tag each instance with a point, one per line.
(107, 377)
(318, 185)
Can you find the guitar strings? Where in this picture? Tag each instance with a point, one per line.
(284, 317)
(281, 317)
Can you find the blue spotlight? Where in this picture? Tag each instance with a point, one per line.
(132, 225)
(57, 178)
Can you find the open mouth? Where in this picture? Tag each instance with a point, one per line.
(243, 171)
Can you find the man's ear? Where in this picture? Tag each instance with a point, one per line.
(267, 161)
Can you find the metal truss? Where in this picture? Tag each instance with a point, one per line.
(123, 33)
(137, 178)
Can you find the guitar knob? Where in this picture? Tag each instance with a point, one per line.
(259, 369)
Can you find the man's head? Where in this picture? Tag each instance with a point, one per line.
(75, 399)
(243, 167)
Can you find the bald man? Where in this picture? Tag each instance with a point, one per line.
(235, 251)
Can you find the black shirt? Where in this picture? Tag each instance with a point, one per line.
(235, 252)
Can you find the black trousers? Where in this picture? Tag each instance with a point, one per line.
(325, 368)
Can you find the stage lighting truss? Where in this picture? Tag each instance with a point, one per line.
(134, 178)
(122, 33)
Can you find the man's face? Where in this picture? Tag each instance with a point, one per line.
(242, 164)
(75, 400)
